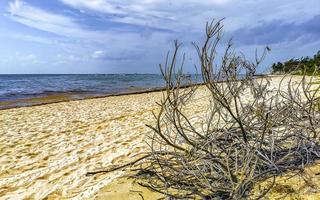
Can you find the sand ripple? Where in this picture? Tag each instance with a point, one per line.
(45, 151)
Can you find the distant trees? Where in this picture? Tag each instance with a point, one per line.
(298, 66)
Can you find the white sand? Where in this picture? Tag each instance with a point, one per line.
(45, 151)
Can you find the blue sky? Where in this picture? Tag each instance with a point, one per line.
(132, 36)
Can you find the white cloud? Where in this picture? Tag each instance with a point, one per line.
(81, 41)
(24, 59)
(30, 58)
(97, 5)
(43, 20)
(23, 11)
(153, 13)
(148, 36)
(66, 26)
(99, 54)
(185, 15)
(178, 16)
(32, 38)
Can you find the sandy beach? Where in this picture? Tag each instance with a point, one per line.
(45, 151)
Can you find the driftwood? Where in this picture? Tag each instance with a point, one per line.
(240, 142)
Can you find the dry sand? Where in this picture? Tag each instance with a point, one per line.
(45, 151)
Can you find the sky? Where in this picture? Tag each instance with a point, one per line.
(133, 36)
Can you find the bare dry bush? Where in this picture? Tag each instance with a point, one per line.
(240, 141)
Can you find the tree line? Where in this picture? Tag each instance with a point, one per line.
(309, 65)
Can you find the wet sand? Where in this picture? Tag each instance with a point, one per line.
(45, 151)
(66, 96)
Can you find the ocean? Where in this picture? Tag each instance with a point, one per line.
(24, 86)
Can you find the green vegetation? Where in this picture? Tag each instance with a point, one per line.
(298, 66)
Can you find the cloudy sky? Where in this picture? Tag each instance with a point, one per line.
(132, 36)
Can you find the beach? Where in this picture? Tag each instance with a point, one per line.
(46, 150)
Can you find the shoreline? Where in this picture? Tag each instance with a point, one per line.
(59, 97)
(66, 97)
